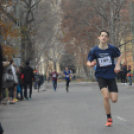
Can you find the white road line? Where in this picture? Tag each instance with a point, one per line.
(120, 118)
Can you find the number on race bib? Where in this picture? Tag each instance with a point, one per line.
(67, 75)
(105, 61)
(54, 75)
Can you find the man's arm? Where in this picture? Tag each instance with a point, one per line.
(91, 64)
(117, 68)
(63, 74)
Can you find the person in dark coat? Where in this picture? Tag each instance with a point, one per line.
(1, 71)
(21, 82)
(28, 78)
(1, 82)
(124, 74)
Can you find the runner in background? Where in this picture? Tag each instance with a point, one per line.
(67, 75)
(54, 76)
(95, 71)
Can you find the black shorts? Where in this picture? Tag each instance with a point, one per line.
(110, 83)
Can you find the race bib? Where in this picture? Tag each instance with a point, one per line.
(105, 61)
(67, 75)
(54, 75)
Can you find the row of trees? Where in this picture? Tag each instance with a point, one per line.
(82, 21)
(35, 29)
(61, 31)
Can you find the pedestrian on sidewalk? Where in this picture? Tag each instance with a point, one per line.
(130, 75)
(21, 82)
(39, 81)
(28, 78)
(1, 71)
(54, 76)
(35, 76)
(5, 84)
(67, 75)
(14, 88)
(106, 70)
(1, 82)
(124, 73)
(8, 83)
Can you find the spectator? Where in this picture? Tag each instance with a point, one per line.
(35, 76)
(28, 77)
(14, 90)
(21, 82)
(124, 74)
(39, 81)
(130, 74)
(6, 84)
(1, 74)
(1, 71)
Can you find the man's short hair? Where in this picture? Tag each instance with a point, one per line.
(27, 63)
(105, 32)
(11, 61)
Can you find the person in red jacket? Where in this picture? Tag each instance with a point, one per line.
(54, 76)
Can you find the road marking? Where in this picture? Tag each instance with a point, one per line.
(120, 118)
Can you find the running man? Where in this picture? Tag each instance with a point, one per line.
(54, 76)
(67, 75)
(106, 70)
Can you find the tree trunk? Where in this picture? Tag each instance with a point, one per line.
(29, 49)
(54, 65)
(85, 70)
(22, 51)
(111, 23)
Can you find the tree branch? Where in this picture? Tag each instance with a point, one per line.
(8, 15)
(35, 4)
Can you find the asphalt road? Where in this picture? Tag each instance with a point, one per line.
(78, 112)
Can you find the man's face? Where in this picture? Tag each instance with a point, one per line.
(103, 38)
(66, 68)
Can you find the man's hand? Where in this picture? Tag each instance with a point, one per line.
(91, 64)
(117, 69)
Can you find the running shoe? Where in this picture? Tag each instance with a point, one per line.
(25, 99)
(109, 122)
(16, 100)
(8, 101)
(29, 98)
(12, 102)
